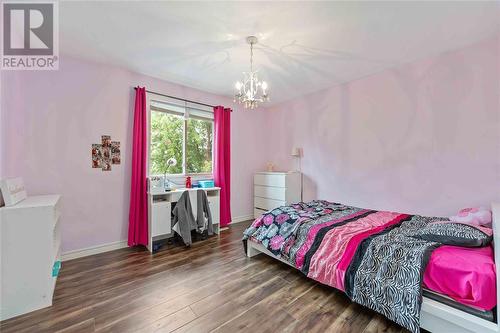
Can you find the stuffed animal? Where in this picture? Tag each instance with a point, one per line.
(473, 216)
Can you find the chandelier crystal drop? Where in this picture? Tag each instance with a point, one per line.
(251, 91)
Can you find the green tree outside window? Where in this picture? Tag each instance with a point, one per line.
(167, 140)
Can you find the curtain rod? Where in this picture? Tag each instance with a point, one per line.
(180, 99)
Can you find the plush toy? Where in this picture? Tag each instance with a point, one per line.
(473, 216)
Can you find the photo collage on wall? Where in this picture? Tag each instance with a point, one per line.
(106, 153)
(115, 152)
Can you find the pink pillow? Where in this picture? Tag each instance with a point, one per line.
(473, 216)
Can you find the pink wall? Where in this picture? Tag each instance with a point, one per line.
(421, 138)
(424, 138)
(50, 119)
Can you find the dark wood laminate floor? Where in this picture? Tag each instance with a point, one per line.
(211, 286)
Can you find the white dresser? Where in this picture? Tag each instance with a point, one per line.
(274, 189)
(30, 238)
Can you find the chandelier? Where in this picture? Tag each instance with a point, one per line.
(251, 91)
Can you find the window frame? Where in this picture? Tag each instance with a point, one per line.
(155, 98)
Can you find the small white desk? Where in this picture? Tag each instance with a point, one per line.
(160, 209)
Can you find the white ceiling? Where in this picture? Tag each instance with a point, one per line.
(304, 46)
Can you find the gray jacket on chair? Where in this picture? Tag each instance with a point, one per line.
(203, 212)
(183, 214)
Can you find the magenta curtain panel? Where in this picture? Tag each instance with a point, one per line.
(222, 161)
(138, 213)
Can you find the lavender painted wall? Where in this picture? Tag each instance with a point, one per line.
(421, 138)
(50, 119)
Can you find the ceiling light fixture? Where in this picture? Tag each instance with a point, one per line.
(251, 91)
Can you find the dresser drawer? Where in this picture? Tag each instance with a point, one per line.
(258, 212)
(276, 193)
(267, 204)
(270, 180)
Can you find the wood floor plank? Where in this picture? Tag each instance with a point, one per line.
(354, 319)
(251, 322)
(81, 327)
(234, 307)
(309, 302)
(138, 313)
(151, 295)
(138, 272)
(233, 289)
(141, 319)
(170, 322)
(211, 286)
(380, 324)
(56, 322)
(269, 311)
(320, 319)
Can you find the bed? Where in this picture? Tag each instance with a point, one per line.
(362, 252)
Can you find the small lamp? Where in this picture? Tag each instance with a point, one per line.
(297, 153)
(171, 162)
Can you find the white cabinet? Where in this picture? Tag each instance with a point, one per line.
(274, 189)
(160, 213)
(214, 204)
(30, 237)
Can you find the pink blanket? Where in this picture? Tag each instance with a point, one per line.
(467, 275)
(339, 245)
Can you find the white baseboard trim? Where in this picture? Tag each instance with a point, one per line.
(93, 250)
(244, 218)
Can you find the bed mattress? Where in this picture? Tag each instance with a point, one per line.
(466, 275)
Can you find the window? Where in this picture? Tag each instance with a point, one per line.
(184, 133)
